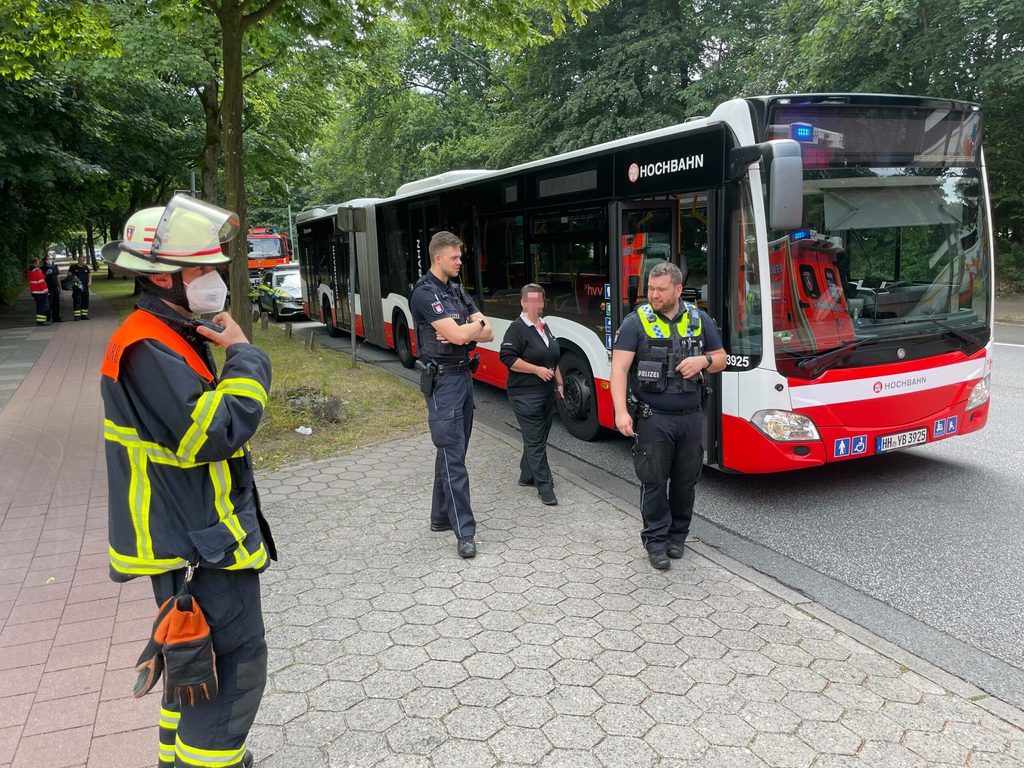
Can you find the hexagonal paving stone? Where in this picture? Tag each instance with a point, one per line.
(670, 709)
(617, 751)
(677, 742)
(872, 725)
(389, 684)
(440, 674)
(782, 750)
(575, 700)
(519, 745)
(813, 706)
(376, 715)
(529, 682)
(481, 692)
(617, 689)
(620, 663)
(526, 711)
(624, 720)
(829, 738)
(457, 753)
(575, 672)
(936, 747)
(429, 702)
(416, 736)
(299, 678)
(573, 732)
(357, 748)
(724, 730)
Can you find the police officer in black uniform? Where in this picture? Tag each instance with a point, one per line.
(662, 353)
(52, 274)
(448, 327)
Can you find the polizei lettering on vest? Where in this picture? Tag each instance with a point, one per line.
(672, 166)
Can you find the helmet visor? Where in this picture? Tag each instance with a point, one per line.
(191, 228)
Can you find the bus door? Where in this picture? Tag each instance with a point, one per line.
(424, 222)
(643, 235)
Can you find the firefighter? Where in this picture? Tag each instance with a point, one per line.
(448, 327)
(661, 354)
(80, 284)
(40, 293)
(181, 491)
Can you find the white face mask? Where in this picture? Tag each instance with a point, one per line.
(206, 293)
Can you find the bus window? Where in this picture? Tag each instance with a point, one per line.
(503, 269)
(693, 245)
(743, 297)
(569, 257)
(646, 242)
(393, 261)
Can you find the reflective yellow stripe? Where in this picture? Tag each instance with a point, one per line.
(221, 478)
(207, 757)
(656, 328)
(202, 416)
(155, 452)
(256, 560)
(169, 719)
(244, 388)
(138, 502)
(139, 566)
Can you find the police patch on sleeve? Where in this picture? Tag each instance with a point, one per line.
(437, 307)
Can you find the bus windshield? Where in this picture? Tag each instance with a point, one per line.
(890, 255)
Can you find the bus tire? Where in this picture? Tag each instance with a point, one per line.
(332, 330)
(402, 344)
(578, 406)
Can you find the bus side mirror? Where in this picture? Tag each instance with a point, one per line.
(783, 166)
(785, 186)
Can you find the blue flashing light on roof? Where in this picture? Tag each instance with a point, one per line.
(803, 131)
(800, 234)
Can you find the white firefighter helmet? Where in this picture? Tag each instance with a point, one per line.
(185, 233)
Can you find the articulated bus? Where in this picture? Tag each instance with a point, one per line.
(842, 242)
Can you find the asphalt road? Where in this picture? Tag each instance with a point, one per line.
(922, 546)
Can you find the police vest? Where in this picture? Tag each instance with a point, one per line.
(207, 508)
(663, 346)
(453, 302)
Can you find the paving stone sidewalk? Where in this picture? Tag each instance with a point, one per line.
(559, 645)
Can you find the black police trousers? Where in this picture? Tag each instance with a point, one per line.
(80, 303)
(55, 306)
(534, 410)
(214, 733)
(667, 506)
(450, 415)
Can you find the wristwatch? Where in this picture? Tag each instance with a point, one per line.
(711, 361)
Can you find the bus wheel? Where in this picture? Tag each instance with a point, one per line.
(332, 330)
(578, 407)
(402, 345)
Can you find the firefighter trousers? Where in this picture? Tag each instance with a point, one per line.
(450, 415)
(214, 733)
(80, 303)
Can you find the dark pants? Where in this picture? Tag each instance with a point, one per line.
(42, 307)
(667, 507)
(80, 303)
(534, 410)
(214, 733)
(450, 414)
(55, 306)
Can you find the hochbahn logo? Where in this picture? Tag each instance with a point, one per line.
(878, 386)
(676, 164)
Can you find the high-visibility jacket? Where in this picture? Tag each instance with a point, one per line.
(181, 485)
(663, 346)
(36, 281)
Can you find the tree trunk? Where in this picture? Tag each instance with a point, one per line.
(230, 17)
(209, 95)
(90, 245)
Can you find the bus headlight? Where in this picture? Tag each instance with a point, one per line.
(979, 395)
(785, 426)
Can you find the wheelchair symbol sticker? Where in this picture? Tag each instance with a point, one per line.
(859, 445)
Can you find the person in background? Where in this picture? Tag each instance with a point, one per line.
(530, 351)
(80, 290)
(40, 294)
(52, 274)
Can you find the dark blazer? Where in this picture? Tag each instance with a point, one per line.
(523, 342)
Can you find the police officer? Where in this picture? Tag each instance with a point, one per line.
(179, 469)
(662, 353)
(448, 327)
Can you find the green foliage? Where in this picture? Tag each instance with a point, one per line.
(1009, 267)
(32, 31)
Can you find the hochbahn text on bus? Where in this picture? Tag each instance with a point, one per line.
(842, 242)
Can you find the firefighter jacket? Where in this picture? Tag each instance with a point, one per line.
(36, 281)
(663, 346)
(181, 485)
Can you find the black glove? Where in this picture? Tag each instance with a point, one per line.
(151, 663)
(188, 655)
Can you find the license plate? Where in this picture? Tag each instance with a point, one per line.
(901, 440)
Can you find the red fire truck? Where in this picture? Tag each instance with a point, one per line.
(267, 248)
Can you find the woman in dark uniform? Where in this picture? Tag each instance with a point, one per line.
(530, 351)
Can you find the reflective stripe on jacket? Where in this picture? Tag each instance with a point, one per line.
(36, 281)
(180, 475)
(661, 346)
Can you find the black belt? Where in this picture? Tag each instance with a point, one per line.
(684, 412)
(453, 367)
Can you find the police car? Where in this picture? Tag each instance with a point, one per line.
(279, 292)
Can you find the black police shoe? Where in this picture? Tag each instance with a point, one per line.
(467, 547)
(675, 550)
(659, 560)
(547, 496)
(438, 527)
(527, 483)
